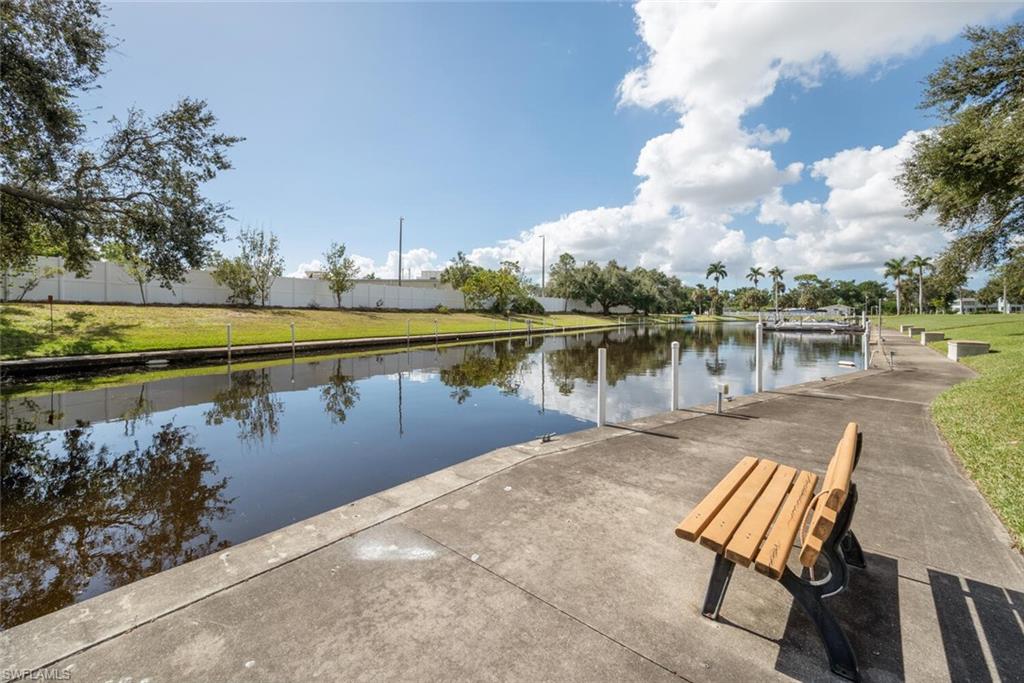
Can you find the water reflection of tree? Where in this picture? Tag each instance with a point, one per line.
(78, 511)
(630, 352)
(501, 365)
(251, 402)
(340, 394)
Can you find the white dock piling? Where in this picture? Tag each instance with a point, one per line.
(759, 358)
(229, 343)
(675, 376)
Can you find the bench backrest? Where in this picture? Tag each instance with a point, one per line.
(834, 491)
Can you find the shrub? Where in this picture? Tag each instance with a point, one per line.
(527, 305)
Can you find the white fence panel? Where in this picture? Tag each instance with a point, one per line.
(109, 283)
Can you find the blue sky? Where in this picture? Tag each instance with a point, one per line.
(476, 122)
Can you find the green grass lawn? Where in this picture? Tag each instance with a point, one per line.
(93, 328)
(983, 418)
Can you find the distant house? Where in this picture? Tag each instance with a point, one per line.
(841, 310)
(1004, 306)
(969, 304)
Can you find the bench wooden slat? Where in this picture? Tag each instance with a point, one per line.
(834, 491)
(747, 540)
(691, 527)
(717, 533)
(840, 469)
(773, 555)
(822, 522)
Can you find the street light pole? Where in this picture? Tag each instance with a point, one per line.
(543, 263)
(401, 221)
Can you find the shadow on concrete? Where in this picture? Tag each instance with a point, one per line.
(1000, 613)
(643, 431)
(869, 611)
(803, 395)
(730, 415)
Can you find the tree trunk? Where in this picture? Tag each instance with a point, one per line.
(142, 291)
(920, 290)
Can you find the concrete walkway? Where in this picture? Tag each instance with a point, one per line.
(559, 562)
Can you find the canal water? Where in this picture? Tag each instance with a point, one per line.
(103, 487)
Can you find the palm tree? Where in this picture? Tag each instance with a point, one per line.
(776, 274)
(896, 268)
(716, 271)
(755, 275)
(698, 295)
(920, 263)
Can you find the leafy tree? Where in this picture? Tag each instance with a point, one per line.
(339, 271)
(611, 286)
(495, 287)
(139, 185)
(642, 291)
(458, 271)
(920, 263)
(564, 279)
(952, 268)
(968, 171)
(132, 262)
(872, 291)
(261, 253)
(895, 269)
(236, 275)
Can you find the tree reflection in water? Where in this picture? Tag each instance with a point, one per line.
(501, 364)
(75, 513)
(250, 401)
(339, 395)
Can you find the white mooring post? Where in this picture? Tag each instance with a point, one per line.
(759, 358)
(602, 381)
(293, 340)
(675, 376)
(229, 343)
(866, 345)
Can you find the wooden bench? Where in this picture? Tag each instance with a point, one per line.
(754, 515)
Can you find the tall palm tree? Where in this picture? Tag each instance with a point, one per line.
(716, 271)
(896, 268)
(755, 275)
(776, 274)
(920, 263)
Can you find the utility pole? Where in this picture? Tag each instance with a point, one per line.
(401, 222)
(543, 262)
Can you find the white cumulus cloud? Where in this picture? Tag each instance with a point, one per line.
(713, 63)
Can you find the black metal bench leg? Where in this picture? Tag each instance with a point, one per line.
(852, 551)
(717, 585)
(840, 655)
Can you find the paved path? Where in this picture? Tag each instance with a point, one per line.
(558, 562)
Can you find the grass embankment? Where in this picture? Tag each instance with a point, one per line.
(983, 418)
(94, 328)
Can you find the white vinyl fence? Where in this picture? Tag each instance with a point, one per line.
(109, 283)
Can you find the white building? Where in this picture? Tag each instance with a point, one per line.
(1004, 306)
(972, 305)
